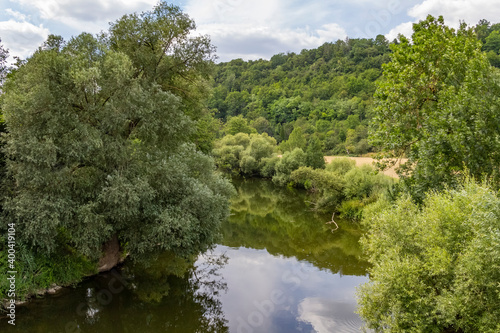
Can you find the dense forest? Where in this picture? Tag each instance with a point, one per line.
(327, 92)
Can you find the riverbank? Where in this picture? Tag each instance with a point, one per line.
(112, 256)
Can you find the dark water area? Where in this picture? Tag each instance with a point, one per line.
(278, 268)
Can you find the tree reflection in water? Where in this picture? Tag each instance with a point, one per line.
(193, 291)
(168, 294)
(278, 219)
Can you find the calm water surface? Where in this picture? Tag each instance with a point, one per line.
(279, 268)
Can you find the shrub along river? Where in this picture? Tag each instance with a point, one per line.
(279, 268)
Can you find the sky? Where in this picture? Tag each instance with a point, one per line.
(240, 28)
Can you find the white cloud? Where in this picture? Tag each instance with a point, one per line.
(256, 12)
(86, 15)
(257, 29)
(21, 38)
(406, 29)
(254, 42)
(15, 14)
(453, 11)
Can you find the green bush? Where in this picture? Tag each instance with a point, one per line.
(314, 154)
(249, 165)
(37, 272)
(305, 175)
(436, 267)
(341, 165)
(261, 146)
(351, 209)
(329, 186)
(238, 124)
(244, 153)
(359, 186)
(228, 157)
(364, 181)
(289, 162)
(267, 166)
(359, 182)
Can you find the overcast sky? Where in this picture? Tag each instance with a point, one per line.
(248, 29)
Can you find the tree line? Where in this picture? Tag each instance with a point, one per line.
(327, 91)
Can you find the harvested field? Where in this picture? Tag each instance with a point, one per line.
(368, 160)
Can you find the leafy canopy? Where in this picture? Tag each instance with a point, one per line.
(99, 140)
(435, 268)
(438, 104)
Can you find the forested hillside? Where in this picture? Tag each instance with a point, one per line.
(327, 91)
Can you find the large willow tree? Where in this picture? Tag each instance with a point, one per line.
(100, 140)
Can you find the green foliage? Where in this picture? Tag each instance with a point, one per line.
(268, 166)
(359, 182)
(249, 165)
(328, 185)
(295, 140)
(291, 160)
(37, 272)
(100, 141)
(3, 74)
(237, 125)
(246, 154)
(314, 154)
(435, 268)
(438, 104)
(262, 125)
(347, 192)
(341, 165)
(351, 209)
(207, 128)
(328, 87)
(489, 35)
(4, 54)
(161, 48)
(493, 42)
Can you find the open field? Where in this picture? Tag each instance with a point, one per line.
(368, 160)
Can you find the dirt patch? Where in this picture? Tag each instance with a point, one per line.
(391, 172)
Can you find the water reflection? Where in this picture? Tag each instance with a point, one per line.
(277, 219)
(326, 315)
(279, 268)
(171, 295)
(268, 293)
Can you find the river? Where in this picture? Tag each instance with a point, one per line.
(278, 268)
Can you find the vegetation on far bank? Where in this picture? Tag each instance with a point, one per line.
(339, 186)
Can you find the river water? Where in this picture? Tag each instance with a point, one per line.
(278, 268)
